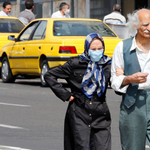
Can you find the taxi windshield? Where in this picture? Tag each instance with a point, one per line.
(10, 25)
(80, 28)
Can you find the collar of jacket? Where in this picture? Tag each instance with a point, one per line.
(82, 60)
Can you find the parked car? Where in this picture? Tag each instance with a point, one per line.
(47, 43)
(9, 26)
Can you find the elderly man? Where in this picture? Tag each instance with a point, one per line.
(133, 56)
(63, 11)
(6, 9)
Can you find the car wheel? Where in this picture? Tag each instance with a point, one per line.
(44, 69)
(6, 73)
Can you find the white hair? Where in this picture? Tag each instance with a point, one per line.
(133, 22)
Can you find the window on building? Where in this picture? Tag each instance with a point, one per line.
(1, 1)
(141, 4)
(99, 8)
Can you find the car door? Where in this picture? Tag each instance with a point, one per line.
(18, 55)
(34, 47)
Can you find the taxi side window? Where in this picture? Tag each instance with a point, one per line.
(27, 32)
(40, 31)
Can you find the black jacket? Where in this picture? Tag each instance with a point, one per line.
(86, 124)
(73, 71)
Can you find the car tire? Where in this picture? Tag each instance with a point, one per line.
(44, 69)
(6, 73)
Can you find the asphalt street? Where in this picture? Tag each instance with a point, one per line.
(32, 117)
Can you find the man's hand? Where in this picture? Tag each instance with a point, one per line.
(119, 71)
(135, 78)
(71, 99)
(139, 77)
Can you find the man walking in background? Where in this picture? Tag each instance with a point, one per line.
(115, 17)
(63, 11)
(27, 15)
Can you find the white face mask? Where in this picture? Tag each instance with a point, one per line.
(67, 11)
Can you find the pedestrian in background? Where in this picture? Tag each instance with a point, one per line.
(87, 121)
(6, 9)
(27, 15)
(132, 57)
(115, 17)
(63, 11)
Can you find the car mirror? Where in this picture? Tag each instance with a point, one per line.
(11, 37)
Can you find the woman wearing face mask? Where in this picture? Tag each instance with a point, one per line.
(87, 121)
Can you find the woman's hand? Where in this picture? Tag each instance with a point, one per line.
(71, 99)
(119, 71)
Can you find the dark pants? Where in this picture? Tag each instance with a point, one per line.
(134, 123)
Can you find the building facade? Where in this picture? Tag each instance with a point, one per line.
(79, 8)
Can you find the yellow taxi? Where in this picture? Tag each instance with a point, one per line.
(9, 26)
(47, 43)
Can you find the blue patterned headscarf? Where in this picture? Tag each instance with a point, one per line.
(94, 78)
